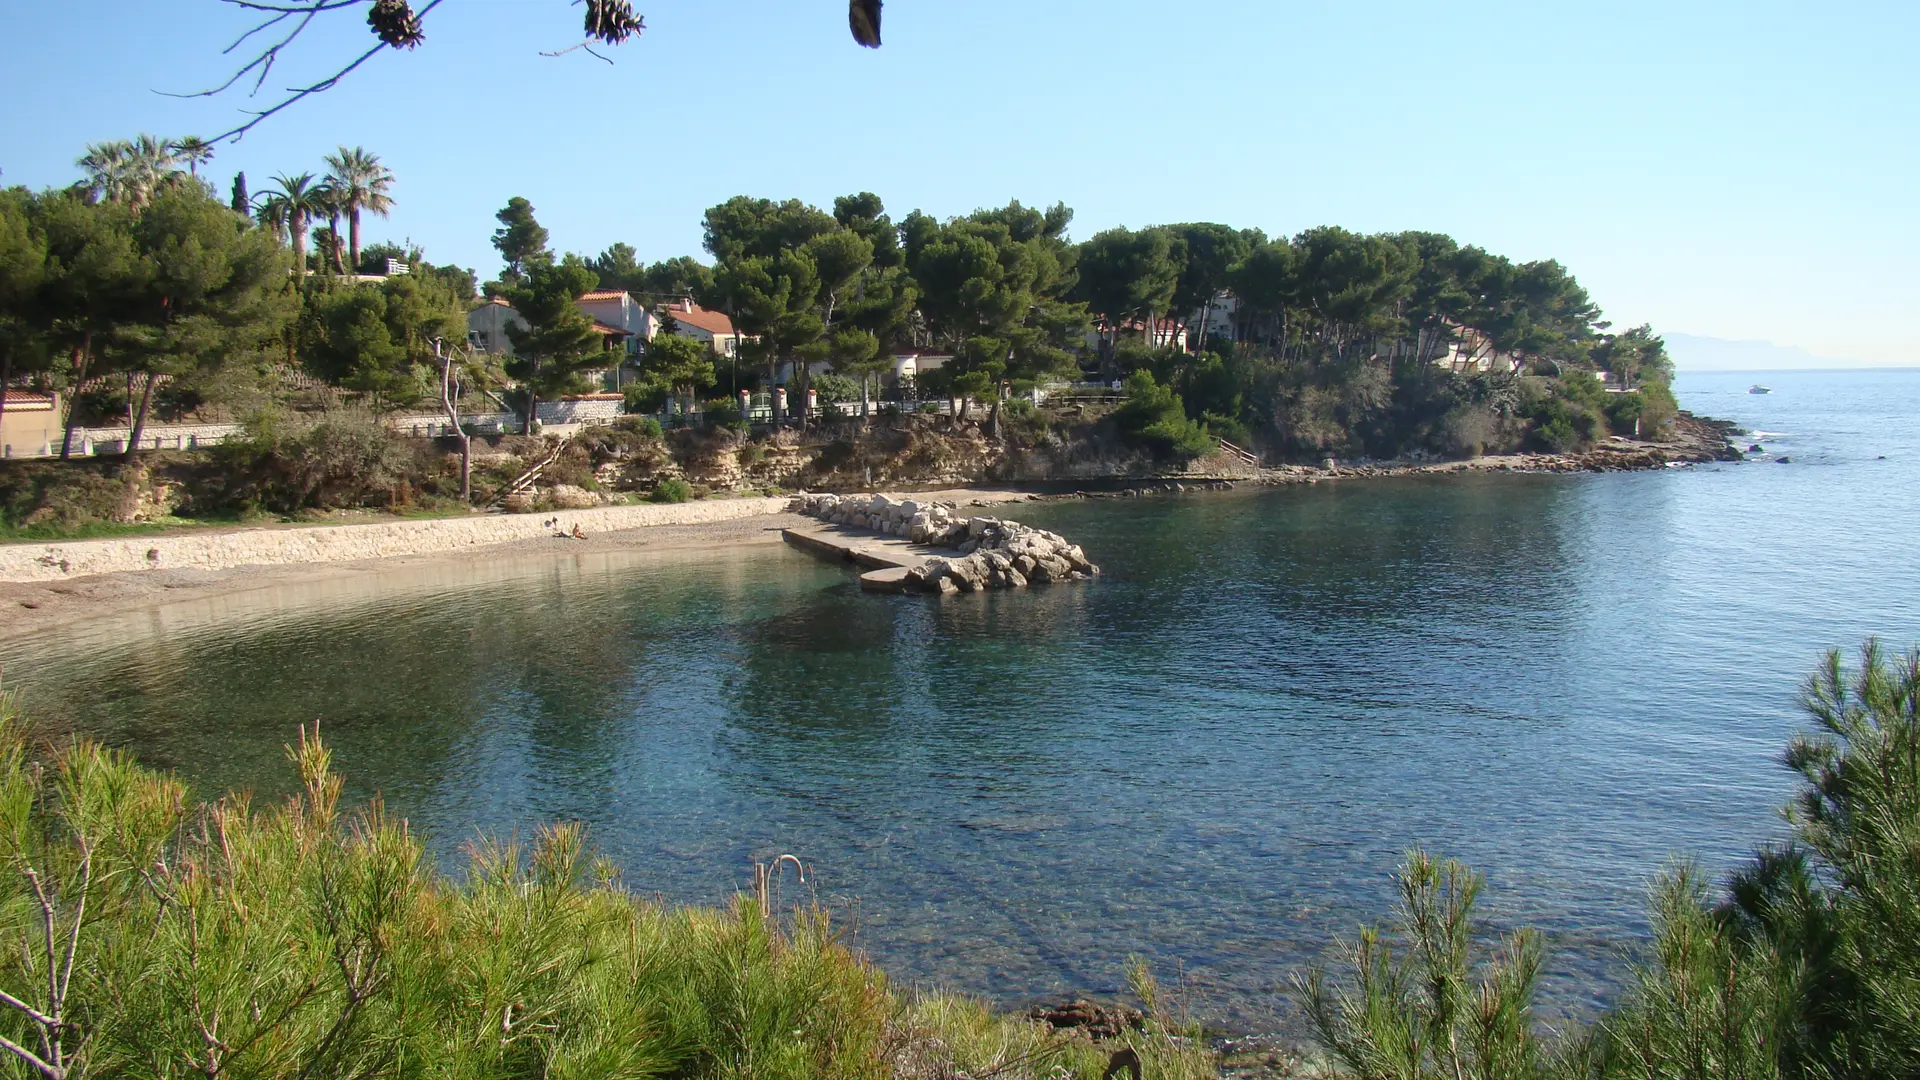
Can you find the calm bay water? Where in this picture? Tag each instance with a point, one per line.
(1213, 757)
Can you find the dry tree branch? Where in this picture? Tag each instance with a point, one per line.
(31, 1058)
(294, 95)
(398, 28)
(396, 24)
(294, 9)
(587, 45)
(79, 916)
(30, 1012)
(51, 1026)
(264, 62)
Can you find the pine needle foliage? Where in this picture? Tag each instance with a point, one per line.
(143, 934)
(1809, 967)
(1419, 1002)
(149, 936)
(1806, 966)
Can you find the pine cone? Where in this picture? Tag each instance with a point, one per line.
(612, 21)
(394, 22)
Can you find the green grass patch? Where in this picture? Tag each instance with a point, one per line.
(108, 530)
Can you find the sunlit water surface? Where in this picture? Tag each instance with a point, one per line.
(1213, 757)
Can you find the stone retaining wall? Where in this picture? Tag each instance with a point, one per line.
(551, 414)
(344, 543)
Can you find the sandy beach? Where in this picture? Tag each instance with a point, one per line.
(36, 606)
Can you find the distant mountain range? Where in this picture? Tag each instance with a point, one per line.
(1692, 353)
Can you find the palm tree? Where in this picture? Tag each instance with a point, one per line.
(363, 184)
(106, 166)
(294, 205)
(332, 202)
(193, 150)
(150, 165)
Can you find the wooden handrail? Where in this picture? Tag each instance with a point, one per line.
(525, 480)
(1244, 455)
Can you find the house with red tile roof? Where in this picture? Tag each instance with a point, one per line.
(618, 309)
(712, 328)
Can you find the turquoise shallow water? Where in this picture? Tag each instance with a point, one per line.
(1212, 757)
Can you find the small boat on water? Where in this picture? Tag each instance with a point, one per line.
(1756, 388)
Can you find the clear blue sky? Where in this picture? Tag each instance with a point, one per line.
(1739, 169)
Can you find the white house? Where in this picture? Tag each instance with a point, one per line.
(910, 366)
(617, 309)
(1473, 351)
(487, 332)
(1220, 318)
(711, 328)
(622, 323)
(487, 326)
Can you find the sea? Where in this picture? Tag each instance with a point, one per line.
(1212, 758)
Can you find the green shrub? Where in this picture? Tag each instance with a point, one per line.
(346, 459)
(1228, 428)
(834, 389)
(1555, 433)
(643, 397)
(51, 498)
(1624, 412)
(1804, 966)
(1018, 408)
(1809, 965)
(725, 412)
(1659, 411)
(672, 490)
(640, 425)
(1154, 416)
(1563, 421)
(307, 938)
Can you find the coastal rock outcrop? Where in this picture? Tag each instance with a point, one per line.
(989, 553)
(1097, 1022)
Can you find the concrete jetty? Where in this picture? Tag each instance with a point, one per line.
(913, 547)
(885, 559)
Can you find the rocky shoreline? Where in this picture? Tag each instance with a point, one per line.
(1694, 441)
(90, 586)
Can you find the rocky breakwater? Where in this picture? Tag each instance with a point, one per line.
(990, 553)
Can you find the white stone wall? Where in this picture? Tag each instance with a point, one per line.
(87, 441)
(551, 413)
(578, 412)
(283, 545)
(90, 441)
